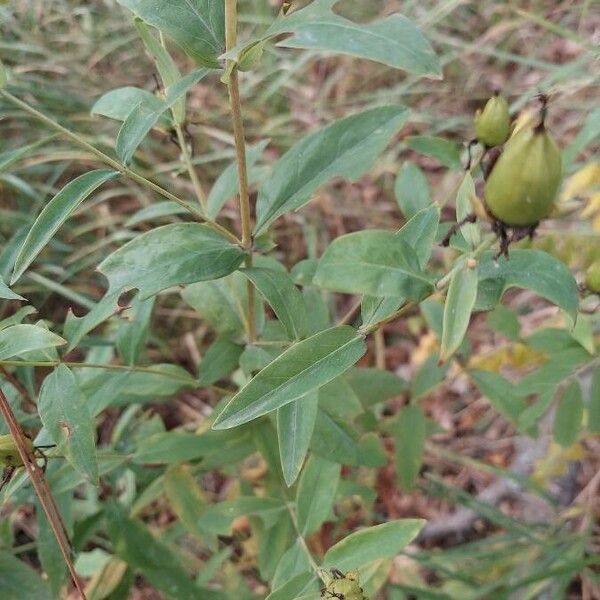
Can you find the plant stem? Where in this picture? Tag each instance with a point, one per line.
(41, 489)
(292, 511)
(187, 160)
(240, 153)
(80, 365)
(117, 166)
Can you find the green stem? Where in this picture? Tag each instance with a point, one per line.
(294, 519)
(187, 160)
(240, 152)
(80, 365)
(117, 166)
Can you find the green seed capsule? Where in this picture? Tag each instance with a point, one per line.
(492, 125)
(522, 186)
(592, 277)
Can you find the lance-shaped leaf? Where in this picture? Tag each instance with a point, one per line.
(18, 580)
(168, 70)
(303, 367)
(372, 543)
(19, 339)
(316, 493)
(393, 41)
(64, 413)
(144, 116)
(285, 299)
(295, 424)
(457, 309)
(55, 213)
(375, 262)
(7, 293)
(569, 415)
(117, 104)
(171, 255)
(530, 269)
(346, 148)
(197, 26)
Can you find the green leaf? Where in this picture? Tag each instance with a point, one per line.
(373, 386)
(19, 581)
(169, 73)
(185, 498)
(51, 559)
(430, 374)
(221, 358)
(154, 211)
(3, 75)
(346, 148)
(410, 431)
(133, 332)
(316, 493)
(218, 302)
(374, 262)
(457, 310)
(569, 415)
(118, 103)
(55, 213)
(295, 424)
(443, 150)
(335, 440)
(465, 191)
(170, 255)
(530, 269)
(372, 543)
(505, 321)
(285, 299)
(180, 446)
(420, 232)
(197, 26)
(218, 517)
(294, 562)
(339, 399)
(393, 41)
(7, 293)
(501, 394)
(65, 414)
(412, 190)
(296, 587)
(133, 543)
(143, 117)
(594, 404)
(19, 339)
(227, 184)
(303, 367)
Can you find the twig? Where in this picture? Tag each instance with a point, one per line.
(111, 162)
(240, 153)
(41, 489)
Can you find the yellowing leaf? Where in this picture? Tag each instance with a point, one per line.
(556, 462)
(525, 119)
(517, 355)
(581, 181)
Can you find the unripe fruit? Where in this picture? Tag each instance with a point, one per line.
(592, 277)
(522, 186)
(492, 125)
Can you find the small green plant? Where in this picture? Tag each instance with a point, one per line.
(283, 379)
